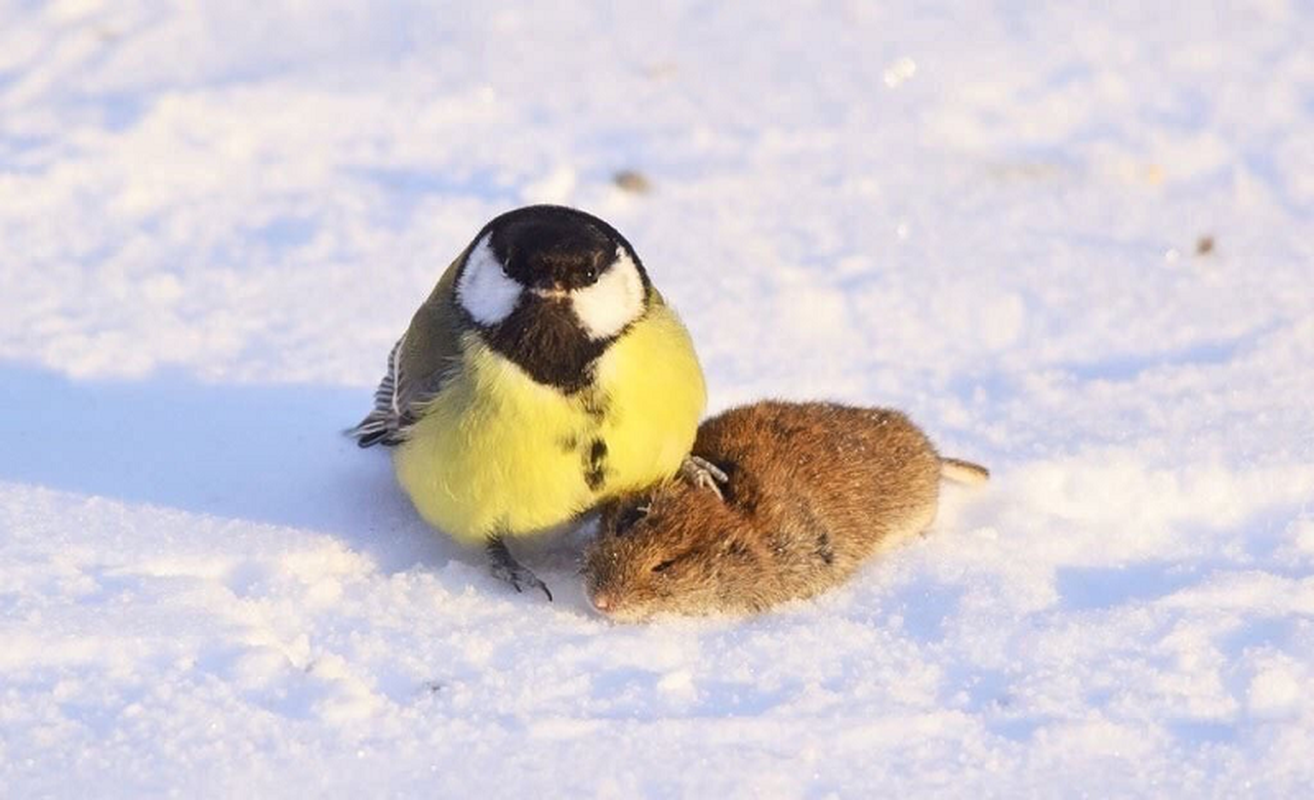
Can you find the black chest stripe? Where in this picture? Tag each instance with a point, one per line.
(595, 465)
(544, 339)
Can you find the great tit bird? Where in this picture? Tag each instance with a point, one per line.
(543, 375)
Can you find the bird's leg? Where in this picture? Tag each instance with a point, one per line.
(703, 474)
(505, 567)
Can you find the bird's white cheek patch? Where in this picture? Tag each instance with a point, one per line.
(616, 300)
(484, 289)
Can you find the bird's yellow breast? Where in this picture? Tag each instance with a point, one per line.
(496, 453)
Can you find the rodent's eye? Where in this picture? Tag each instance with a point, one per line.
(665, 565)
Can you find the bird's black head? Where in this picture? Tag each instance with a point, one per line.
(550, 288)
(553, 248)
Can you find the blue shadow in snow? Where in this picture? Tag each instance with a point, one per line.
(1129, 367)
(1094, 588)
(265, 453)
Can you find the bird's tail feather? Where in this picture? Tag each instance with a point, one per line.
(383, 424)
(377, 428)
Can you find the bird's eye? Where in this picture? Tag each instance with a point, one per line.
(665, 565)
(590, 273)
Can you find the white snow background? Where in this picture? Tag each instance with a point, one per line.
(216, 217)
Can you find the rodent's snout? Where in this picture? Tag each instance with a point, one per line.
(601, 601)
(615, 606)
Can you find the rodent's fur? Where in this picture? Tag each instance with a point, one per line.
(814, 489)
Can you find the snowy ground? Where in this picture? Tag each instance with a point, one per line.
(214, 220)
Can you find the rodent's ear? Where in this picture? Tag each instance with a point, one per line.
(608, 515)
(628, 517)
(620, 514)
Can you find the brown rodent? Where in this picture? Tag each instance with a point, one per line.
(813, 490)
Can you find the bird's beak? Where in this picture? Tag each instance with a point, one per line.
(554, 293)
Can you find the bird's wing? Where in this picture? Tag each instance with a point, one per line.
(418, 365)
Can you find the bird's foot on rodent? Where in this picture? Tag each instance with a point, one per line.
(704, 474)
(505, 567)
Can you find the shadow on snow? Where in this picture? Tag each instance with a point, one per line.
(264, 453)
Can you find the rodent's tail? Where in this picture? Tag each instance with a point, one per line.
(955, 469)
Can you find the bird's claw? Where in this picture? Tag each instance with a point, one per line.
(704, 474)
(505, 568)
(519, 577)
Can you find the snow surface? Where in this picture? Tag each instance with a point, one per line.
(216, 218)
